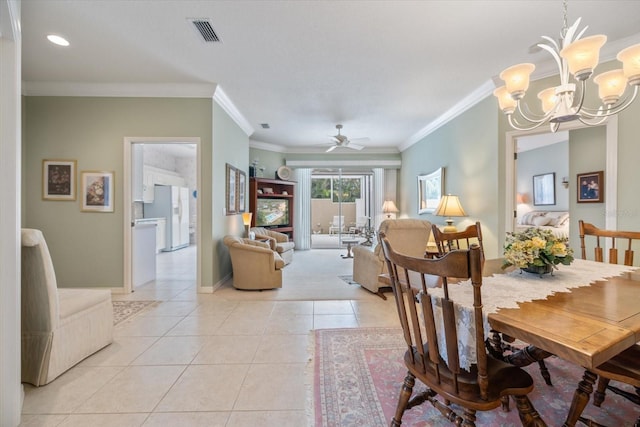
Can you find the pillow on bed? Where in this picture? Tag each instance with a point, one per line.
(527, 219)
(557, 219)
(541, 221)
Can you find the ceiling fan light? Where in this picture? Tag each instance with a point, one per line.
(630, 58)
(548, 98)
(516, 79)
(505, 101)
(583, 55)
(611, 85)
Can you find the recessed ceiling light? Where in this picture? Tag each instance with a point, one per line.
(60, 41)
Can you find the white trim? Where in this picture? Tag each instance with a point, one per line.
(463, 105)
(316, 150)
(391, 164)
(267, 146)
(229, 107)
(150, 90)
(128, 201)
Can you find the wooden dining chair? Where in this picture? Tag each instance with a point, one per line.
(626, 366)
(445, 242)
(486, 383)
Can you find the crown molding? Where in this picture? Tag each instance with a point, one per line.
(467, 102)
(149, 90)
(388, 164)
(267, 146)
(227, 105)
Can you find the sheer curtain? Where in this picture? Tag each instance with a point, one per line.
(302, 209)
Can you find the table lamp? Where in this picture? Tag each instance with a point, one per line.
(389, 207)
(246, 220)
(449, 206)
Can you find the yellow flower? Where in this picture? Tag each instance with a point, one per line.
(559, 249)
(538, 243)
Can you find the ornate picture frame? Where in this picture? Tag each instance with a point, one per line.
(59, 180)
(590, 187)
(97, 190)
(231, 190)
(430, 189)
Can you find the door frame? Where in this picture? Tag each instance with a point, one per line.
(611, 173)
(128, 201)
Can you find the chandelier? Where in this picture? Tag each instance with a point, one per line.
(577, 57)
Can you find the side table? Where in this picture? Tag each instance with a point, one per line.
(349, 242)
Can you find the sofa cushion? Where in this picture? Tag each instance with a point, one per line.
(278, 261)
(284, 246)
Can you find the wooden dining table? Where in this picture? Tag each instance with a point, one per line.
(586, 325)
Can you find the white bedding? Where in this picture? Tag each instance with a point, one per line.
(555, 221)
(561, 232)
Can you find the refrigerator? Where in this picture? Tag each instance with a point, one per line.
(172, 203)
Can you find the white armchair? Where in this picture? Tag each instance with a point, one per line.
(337, 225)
(60, 327)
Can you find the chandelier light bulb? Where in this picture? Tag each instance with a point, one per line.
(630, 58)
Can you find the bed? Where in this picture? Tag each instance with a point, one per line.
(555, 221)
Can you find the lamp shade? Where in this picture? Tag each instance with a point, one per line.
(246, 218)
(516, 79)
(630, 58)
(583, 55)
(505, 101)
(611, 85)
(449, 206)
(389, 206)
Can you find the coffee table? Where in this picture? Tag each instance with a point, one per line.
(349, 242)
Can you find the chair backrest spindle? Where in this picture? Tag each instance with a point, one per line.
(587, 229)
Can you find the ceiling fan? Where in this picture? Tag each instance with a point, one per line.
(340, 140)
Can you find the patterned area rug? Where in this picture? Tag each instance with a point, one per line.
(123, 310)
(358, 374)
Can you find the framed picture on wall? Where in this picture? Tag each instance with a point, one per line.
(591, 187)
(97, 188)
(242, 183)
(430, 188)
(544, 189)
(231, 188)
(59, 179)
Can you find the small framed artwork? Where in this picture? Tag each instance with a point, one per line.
(59, 179)
(430, 188)
(544, 189)
(230, 196)
(591, 187)
(242, 183)
(97, 191)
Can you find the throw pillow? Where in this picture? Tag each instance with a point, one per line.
(541, 221)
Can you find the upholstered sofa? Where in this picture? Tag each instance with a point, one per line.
(60, 327)
(255, 265)
(279, 242)
(407, 236)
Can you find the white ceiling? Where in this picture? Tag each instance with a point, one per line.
(386, 70)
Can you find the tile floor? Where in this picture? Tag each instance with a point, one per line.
(231, 358)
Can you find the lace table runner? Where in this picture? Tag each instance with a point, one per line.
(509, 289)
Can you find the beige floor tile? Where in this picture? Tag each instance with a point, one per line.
(273, 387)
(214, 308)
(172, 308)
(329, 321)
(289, 324)
(121, 352)
(64, 394)
(242, 325)
(283, 349)
(135, 389)
(41, 420)
(205, 388)
(187, 419)
(104, 420)
(197, 325)
(332, 307)
(172, 351)
(292, 307)
(141, 326)
(268, 419)
(227, 349)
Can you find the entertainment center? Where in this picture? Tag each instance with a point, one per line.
(271, 202)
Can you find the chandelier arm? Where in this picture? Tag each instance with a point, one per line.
(593, 122)
(530, 117)
(611, 110)
(583, 89)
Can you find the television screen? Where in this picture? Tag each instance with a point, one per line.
(272, 212)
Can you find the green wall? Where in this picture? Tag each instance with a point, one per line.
(467, 148)
(87, 248)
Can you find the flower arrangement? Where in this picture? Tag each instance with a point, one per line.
(536, 248)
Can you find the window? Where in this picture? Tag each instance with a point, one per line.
(334, 187)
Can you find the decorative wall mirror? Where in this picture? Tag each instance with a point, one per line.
(430, 189)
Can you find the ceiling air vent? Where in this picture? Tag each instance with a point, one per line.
(205, 29)
(265, 125)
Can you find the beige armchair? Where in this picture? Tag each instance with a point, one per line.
(255, 265)
(60, 327)
(407, 236)
(279, 242)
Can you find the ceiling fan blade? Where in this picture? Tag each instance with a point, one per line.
(334, 139)
(355, 146)
(330, 149)
(363, 139)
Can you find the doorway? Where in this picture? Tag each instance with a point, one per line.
(162, 178)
